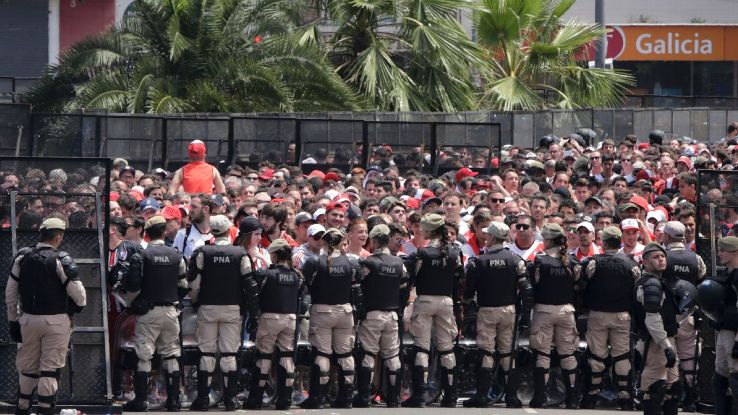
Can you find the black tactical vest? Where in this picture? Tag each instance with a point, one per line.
(41, 290)
(497, 278)
(436, 275)
(611, 287)
(555, 284)
(681, 264)
(160, 274)
(381, 287)
(668, 310)
(332, 283)
(730, 314)
(279, 290)
(220, 279)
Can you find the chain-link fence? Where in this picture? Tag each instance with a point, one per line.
(69, 189)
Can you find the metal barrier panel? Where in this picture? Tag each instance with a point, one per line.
(15, 121)
(258, 139)
(139, 137)
(65, 135)
(331, 143)
(85, 378)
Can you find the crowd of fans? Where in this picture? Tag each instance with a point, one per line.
(582, 185)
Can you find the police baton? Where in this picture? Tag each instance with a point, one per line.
(401, 330)
(514, 351)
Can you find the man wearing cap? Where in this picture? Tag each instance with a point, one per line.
(656, 321)
(553, 315)
(42, 295)
(311, 248)
(303, 221)
(335, 215)
(631, 231)
(335, 293)
(683, 264)
(149, 207)
(726, 345)
(197, 176)
(498, 278)
(222, 292)
(608, 280)
(587, 248)
(173, 216)
(436, 271)
(279, 297)
(124, 266)
(163, 284)
(198, 232)
(384, 284)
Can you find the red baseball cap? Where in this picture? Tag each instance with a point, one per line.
(171, 212)
(640, 202)
(423, 194)
(686, 160)
(643, 146)
(412, 203)
(463, 173)
(330, 176)
(114, 196)
(335, 205)
(495, 162)
(136, 195)
(316, 173)
(266, 174)
(197, 148)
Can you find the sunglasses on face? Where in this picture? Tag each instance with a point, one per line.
(497, 200)
(522, 226)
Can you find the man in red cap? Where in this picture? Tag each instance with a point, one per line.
(197, 176)
(335, 214)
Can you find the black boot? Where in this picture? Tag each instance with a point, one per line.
(589, 401)
(448, 382)
(723, 404)
(572, 398)
(284, 392)
(624, 387)
(363, 387)
(688, 404)
(231, 390)
(733, 382)
(652, 405)
(47, 410)
(141, 389)
(317, 391)
(481, 397)
(19, 411)
(392, 399)
(345, 397)
(202, 402)
(418, 397)
(173, 382)
(256, 391)
(539, 388)
(511, 394)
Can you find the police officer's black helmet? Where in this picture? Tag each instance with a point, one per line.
(547, 140)
(711, 296)
(686, 295)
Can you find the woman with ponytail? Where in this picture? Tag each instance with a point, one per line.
(335, 291)
(553, 315)
(435, 274)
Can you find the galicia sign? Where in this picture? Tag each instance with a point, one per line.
(672, 42)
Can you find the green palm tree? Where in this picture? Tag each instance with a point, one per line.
(403, 55)
(197, 55)
(531, 50)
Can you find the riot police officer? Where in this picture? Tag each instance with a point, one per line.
(384, 285)
(163, 283)
(219, 288)
(498, 278)
(683, 264)
(553, 315)
(280, 293)
(44, 283)
(656, 315)
(334, 289)
(609, 280)
(435, 273)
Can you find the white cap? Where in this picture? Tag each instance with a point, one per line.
(318, 213)
(332, 193)
(627, 224)
(586, 225)
(315, 229)
(656, 214)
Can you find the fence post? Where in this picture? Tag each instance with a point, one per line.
(164, 144)
(364, 144)
(98, 135)
(298, 142)
(32, 132)
(231, 142)
(434, 146)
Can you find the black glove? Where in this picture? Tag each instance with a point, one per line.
(359, 314)
(734, 352)
(15, 331)
(252, 324)
(671, 358)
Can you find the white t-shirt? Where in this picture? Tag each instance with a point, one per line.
(194, 240)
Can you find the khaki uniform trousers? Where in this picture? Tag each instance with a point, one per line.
(378, 334)
(434, 312)
(654, 366)
(495, 327)
(554, 324)
(613, 329)
(158, 330)
(278, 330)
(218, 329)
(686, 345)
(41, 356)
(332, 331)
(725, 365)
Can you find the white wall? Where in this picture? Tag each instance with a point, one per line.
(658, 11)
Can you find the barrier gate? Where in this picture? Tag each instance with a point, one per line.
(85, 380)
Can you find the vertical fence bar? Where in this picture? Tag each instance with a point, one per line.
(298, 142)
(231, 142)
(164, 143)
(365, 143)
